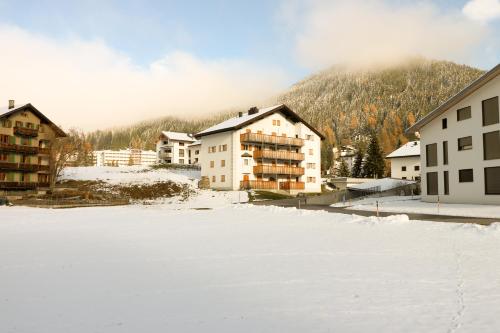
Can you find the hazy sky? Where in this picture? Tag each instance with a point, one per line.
(96, 64)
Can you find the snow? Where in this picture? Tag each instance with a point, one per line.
(411, 148)
(131, 175)
(383, 184)
(407, 204)
(178, 136)
(242, 268)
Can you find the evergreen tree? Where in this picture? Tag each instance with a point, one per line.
(343, 169)
(357, 168)
(374, 165)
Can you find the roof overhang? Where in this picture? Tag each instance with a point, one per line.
(29, 107)
(471, 88)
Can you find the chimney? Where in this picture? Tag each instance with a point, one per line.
(253, 110)
(11, 104)
(240, 114)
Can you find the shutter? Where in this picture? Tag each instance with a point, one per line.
(12, 140)
(12, 158)
(10, 176)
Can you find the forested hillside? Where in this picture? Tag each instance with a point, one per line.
(346, 105)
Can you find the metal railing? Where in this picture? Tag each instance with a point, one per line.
(278, 170)
(271, 139)
(278, 154)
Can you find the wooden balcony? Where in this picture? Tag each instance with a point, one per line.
(44, 151)
(287, 186)
(22, 185)
(23, 131)
(7, 147)
(25, 167)
(278, 170)
(271, 139)
(279, 155)
(258, 185)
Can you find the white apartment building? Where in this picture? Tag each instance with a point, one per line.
(173, 147)
(460, 145)
(194, 151)
(124, 157)
(268, 149)
(405, 161)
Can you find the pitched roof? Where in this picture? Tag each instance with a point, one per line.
(246, 119)
(6, 112)
(178, 136)
(475, 85)
(411, 148)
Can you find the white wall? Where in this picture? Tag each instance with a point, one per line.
(473, 192)
(217, 171)
(410, 162)
(175, 147)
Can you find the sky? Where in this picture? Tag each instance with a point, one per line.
(99, 64)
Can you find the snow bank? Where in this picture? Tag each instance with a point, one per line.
(243, 268)
(383, 184)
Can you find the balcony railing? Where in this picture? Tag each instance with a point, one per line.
(23, 131)
(278, 170)
(271, 139)
(21, 185)
(44, 151)
(287, 186)
(23, 167)
(165, 155)
(7, 147)
(278, 154)
(258, 185)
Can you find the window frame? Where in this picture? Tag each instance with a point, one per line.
(427, 154)
(497, 111)
(486, 180)
(465, 147)
(467, 109)
(461, 175)
(495, 157)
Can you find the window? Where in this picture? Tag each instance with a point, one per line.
(212, 149)
(465, 143)
(4, 138)
(276, 122)
(491, 145)
(403, 178)
(213, 179)
(244, 147)
(490, 111)
(197, 152)
(416, 168)
(492, 180)
(224, 147)
(446, 180)
(403, 168)
(3, 157)
(222, 163)
(444, 123)
(445, 152)
(41, 128)
(6, 123)
(223, 178)
(311, 179)
(212, 164)
(465, 176)
(432, 183)
(181, 152)
(311, 165)
(181, 161)
(431, 155)
(311, 151)
(19, 124)
(464, 113)
(309, 137)
(2, 176)
(245, 161)
(165, 142)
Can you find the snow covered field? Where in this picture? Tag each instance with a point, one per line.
(240, 268)
(402, 204)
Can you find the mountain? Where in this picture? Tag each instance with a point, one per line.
(347, 105)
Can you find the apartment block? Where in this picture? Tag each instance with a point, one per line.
(264, 149)
(25, 140)
(460, 145)
(124, 157)
(174, 147)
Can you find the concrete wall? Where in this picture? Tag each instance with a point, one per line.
(473, 192)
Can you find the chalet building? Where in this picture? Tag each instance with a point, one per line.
(460, 145)
(25, 138)
(265, 149)
(173, 147)
(405, 161)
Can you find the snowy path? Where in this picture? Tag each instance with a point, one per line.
(243, 269)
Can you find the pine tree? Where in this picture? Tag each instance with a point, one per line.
(374, 165)
(357, 168)
(343, 169)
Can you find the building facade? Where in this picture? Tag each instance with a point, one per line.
(25, 140)
(173, 147)
(346, 153)
(460, 145)
(194, 151)
(124, 157)
(268, 149)
(405, 161)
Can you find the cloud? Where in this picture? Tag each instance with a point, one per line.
(373, 32)
(482, 10)
(88, 85)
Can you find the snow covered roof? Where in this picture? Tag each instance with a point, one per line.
(178, 136)
(380, 185)
(411, 148)
(248, 118)
(196, 143)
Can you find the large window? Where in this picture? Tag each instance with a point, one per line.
(491, 145)
(431, 155)
(446, 178)
(432, 183)
(464, 113)
(492, 180)
(465, 176)
(490, 111)
(465, 143)
(445, 152)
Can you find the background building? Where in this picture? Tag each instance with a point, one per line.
(268, 149)
(124, 157)
(173, 147)
(405, 161)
